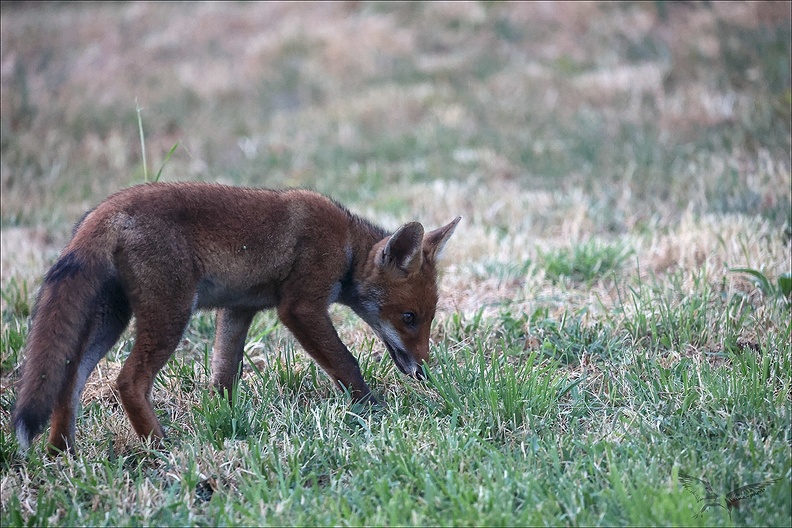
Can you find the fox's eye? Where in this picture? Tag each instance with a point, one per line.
(408, 318)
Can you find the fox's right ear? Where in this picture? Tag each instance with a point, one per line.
(403, 249)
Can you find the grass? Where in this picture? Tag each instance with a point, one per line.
(583, 262)
(615, 306)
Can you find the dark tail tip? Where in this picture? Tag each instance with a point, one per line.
(27, 424)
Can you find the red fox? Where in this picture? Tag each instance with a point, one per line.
(160, 251)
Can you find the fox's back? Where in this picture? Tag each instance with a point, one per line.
(209, 209)
(231, 239)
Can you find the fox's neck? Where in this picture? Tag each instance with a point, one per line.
(363, 237)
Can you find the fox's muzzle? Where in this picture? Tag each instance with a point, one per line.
(404, 361)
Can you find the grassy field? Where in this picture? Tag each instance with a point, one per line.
(615, 306)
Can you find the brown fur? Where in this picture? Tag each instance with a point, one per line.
(160, 251)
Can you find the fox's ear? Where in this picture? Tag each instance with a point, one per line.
(436, 240)
(403, 249)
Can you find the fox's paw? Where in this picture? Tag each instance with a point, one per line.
(365, 405)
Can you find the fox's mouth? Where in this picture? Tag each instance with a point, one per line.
(404, 361)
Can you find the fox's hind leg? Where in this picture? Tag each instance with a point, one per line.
(108, 323)
(232, 329)
(159, 329)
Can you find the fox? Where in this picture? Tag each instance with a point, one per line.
(161, 251)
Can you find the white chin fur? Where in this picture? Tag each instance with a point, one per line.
(405, 362)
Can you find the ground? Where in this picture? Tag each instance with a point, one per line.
(614, 308)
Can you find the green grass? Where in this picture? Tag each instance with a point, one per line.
(615, 305)
(583, 262)
(480, 444)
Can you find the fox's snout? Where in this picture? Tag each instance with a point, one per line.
(407, 362)
(420, 357)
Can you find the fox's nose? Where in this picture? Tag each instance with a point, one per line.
(418, 373)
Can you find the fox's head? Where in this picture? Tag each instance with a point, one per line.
(400, 292)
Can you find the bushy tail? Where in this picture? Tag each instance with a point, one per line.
(60, 325)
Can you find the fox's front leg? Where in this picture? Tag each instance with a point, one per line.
(311, 325)
(232, 328)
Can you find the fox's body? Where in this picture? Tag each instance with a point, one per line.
(161, 251)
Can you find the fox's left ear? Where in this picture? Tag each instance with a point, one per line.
(403, 249)
(435, 241)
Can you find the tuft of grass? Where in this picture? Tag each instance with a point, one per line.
(16, 298)
(571, 341)
(673, 318)
(16, 310)
(506, 392)
(138, 111)
(781, 289)
(584, 262)
(224, 418)
(14, 335)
